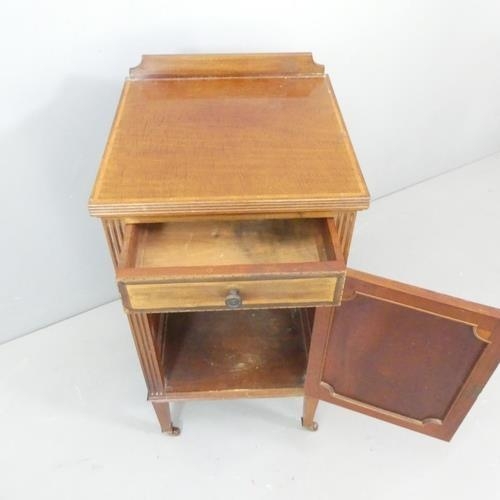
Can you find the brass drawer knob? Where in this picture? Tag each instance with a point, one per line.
(233, 299)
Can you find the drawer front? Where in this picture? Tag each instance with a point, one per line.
(324, 290)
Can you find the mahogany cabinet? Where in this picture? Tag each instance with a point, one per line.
(228, 193)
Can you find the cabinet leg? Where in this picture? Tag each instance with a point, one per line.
(310, 405)
(163, 413)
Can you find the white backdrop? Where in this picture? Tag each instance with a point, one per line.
(417, 83)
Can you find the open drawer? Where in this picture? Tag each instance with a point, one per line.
(230, 264)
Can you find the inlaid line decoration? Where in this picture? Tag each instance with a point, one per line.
(480, 333)
(367, 406)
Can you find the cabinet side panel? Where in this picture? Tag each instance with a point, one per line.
(344, 222)
(146, 342)
(114, 230)
(147, 330)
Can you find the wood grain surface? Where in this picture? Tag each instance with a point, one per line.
(290, 292)
(223, 242)
(228, 145)
(240, 351)
(226, 65)
(406, 355)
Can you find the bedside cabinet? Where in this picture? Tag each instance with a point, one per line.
(228, 193)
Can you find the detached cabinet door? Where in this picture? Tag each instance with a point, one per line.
(402, 354)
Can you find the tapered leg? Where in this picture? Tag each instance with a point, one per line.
(310, 405)
(163, 413)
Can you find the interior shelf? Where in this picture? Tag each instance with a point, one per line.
(252, 353)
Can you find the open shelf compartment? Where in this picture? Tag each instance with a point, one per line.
(233, 354)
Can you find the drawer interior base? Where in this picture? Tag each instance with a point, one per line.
(227, 242)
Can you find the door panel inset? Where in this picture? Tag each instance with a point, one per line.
(400, 359)
(403, 354)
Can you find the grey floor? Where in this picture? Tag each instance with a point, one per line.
(74, 422)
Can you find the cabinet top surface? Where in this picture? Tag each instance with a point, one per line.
(227, 134)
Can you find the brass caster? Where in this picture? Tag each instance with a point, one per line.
(173, 431)
(312, 428)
